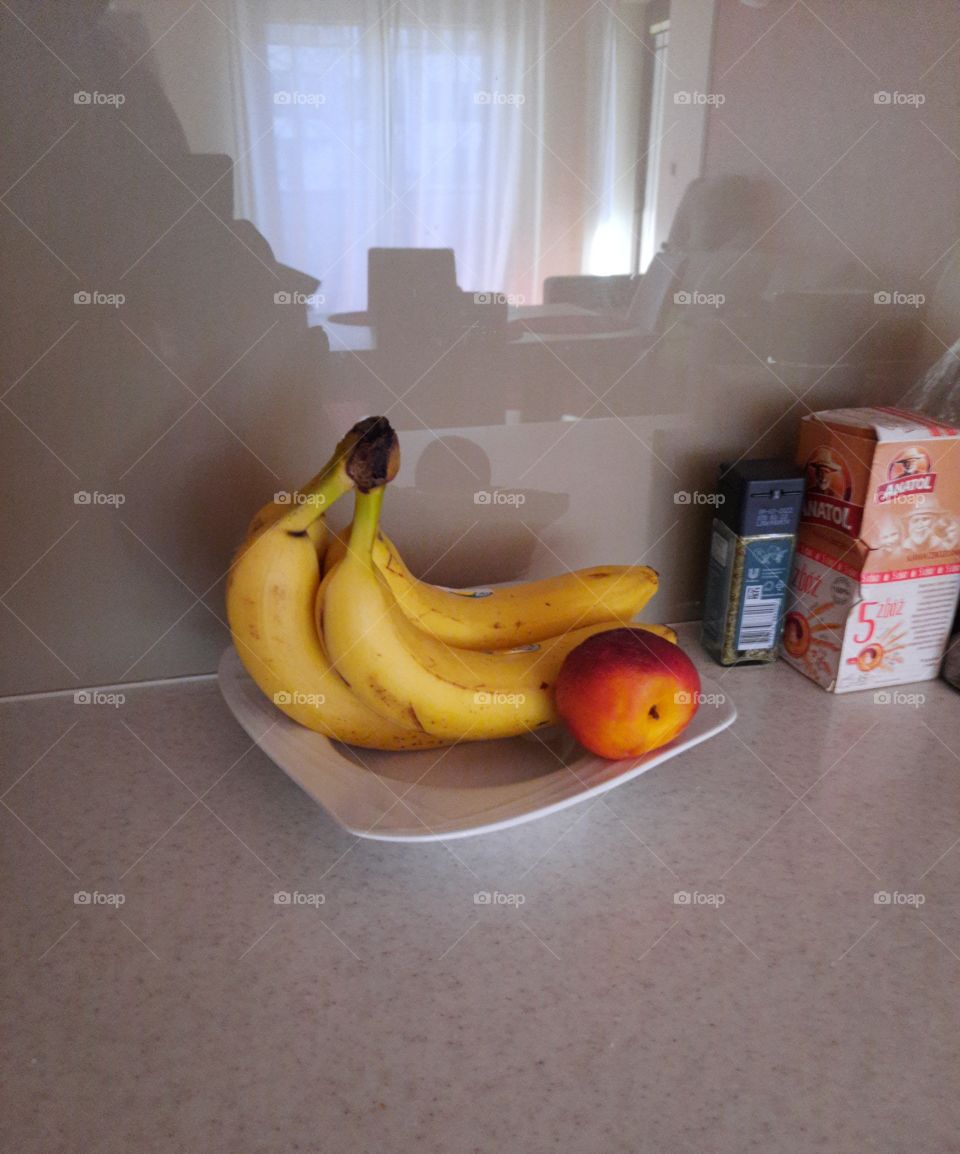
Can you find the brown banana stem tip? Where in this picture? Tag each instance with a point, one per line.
(375, 459)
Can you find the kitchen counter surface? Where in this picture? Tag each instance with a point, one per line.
(784, 1007)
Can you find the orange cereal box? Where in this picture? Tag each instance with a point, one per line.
(876, 571)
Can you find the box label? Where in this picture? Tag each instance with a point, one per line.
(848, 631)
(891, 490)
(766, 571)
(746, 594)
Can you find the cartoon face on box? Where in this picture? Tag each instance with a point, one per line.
(900, 474)
(912, 515)
(837, 469)
(827, 473)
(909, 462)
(888, 478)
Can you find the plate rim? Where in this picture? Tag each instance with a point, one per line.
(230, 670)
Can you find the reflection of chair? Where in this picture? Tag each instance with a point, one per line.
(718, 214)
(205, 304)
(715, 211)
(709, 267)
(417, 309)
(411, 292)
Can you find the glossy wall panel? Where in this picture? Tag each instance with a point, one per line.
(170, 361)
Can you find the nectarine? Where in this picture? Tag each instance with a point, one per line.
(625, 692)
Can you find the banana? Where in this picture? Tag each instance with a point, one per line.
(276, 595)
(514, 614)
(524, 669)
(416, 680)
(359, 623)
(317, 531)
(272, 589)
(271, 513)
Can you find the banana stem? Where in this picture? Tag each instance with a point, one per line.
(366, 519)
(367, 456)
(315, 499)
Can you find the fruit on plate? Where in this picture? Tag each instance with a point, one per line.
(271, 600)
(335, 650)
(626, 692)
(414, 678)
(511, 615)
(366, 635)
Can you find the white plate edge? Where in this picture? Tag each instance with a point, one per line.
(633, 771)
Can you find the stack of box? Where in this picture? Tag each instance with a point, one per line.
(876, 571)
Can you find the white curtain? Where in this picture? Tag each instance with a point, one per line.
(437, 123)
(613, 160)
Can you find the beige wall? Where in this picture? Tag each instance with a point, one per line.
(799, 111)
(191, 51)
(105, 400)
(689, 60)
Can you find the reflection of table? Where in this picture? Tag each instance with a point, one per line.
(704, 365)
(476, 377)
(353, 334)
(526, 324)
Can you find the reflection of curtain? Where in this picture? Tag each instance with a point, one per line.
(430, 123)
(613, 97)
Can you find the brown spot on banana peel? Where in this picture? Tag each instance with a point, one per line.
(443, 677)
(432, 611)
(391, 700)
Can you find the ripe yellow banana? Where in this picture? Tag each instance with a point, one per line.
(416, 680)
(271, 596)
(527, 668)
(511, 615)
(359, 622)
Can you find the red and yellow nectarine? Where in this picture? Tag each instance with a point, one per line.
(625, 692)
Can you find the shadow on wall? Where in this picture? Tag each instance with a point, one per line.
(475, 527)
(147, 361)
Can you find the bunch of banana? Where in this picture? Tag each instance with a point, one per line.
(371, 656)
(272, 590)
(510, 615)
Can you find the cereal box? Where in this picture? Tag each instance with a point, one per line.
(876, 571)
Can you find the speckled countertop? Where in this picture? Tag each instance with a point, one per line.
(781, 1009)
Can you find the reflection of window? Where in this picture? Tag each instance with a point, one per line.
(386, 138)
(431, 124)
(408, 104)
(660, 37)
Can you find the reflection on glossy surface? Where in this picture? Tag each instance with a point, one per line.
(199, 297)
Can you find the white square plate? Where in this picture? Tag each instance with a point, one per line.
(432, 795)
